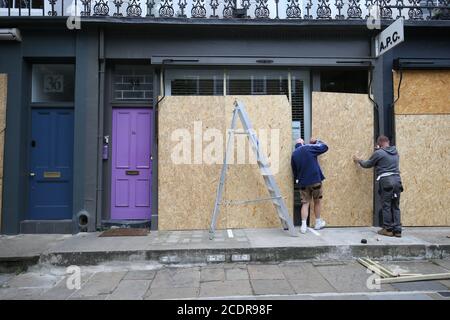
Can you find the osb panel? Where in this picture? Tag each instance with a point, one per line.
(424, 147)
(345, 122)
(271, 118)
(187, 192)
(423, 92)
(3, 83)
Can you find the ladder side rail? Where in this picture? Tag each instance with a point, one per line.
(265, 170)
(251, 134)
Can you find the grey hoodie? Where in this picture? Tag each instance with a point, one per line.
(384, 160)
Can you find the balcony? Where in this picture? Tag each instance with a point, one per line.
(416, 10)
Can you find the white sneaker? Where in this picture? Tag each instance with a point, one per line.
(303, 228)
(320, 225)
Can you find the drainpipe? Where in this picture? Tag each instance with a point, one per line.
(101, 95)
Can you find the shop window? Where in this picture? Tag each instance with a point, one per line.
(346, 81)
(133, 83)
(183, 82)
(53, 83)
(194, 83)
(250, 82)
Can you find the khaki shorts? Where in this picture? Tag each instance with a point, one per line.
(313, 191)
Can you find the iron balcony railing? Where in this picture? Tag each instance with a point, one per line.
(225, 9)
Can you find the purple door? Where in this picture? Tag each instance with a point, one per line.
(131, 164)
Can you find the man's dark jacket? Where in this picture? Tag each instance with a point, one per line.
(305, 167)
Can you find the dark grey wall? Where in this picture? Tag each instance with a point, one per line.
(234, 42)
(86, 124)
(12, 64)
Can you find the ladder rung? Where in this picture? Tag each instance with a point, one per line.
(239, 131)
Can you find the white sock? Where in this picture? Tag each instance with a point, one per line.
(303, 222)
(318, 220)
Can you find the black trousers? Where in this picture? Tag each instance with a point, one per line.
(390, 189)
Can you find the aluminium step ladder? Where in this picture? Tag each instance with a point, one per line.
(269, 180)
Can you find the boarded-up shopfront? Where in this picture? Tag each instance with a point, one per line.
(188, 178)
(422, 126)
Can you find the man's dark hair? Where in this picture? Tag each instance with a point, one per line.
(382, 139)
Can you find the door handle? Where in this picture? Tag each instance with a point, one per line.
(32, 174)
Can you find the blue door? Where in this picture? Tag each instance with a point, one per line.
(51, 150)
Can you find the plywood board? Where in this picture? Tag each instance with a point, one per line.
(345, 122)
(423, 92)
(187, 192)
(423, 142)
(271, 118)
(3, 91)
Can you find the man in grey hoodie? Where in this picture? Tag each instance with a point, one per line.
(386, 162)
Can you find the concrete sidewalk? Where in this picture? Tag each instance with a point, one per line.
(317, 280)
(241, 245)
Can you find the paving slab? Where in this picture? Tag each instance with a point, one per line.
(423, 267)
(349, 278)
(445, 283)
(21, 293)
(261, 287)
(60, 290)
(177, 278)
(100, 283)
(5, 277)
(238, 273)
(444, 263)
(305, 278)
(420, 286)
(265, 272)
(225, 288)
(33, 280)
(212, 274)
(130, 290)
(140, 275)
(57, 293)
(171, 293)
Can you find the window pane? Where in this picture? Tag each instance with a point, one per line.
(53, 83)
(257, 82)
(194, 82)
(348, 81)
(133, 83)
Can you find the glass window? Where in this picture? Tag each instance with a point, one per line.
(347, 81)
(53, 83)
(257, 82)
(133, 83)
(194, 83)
(263, 82)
